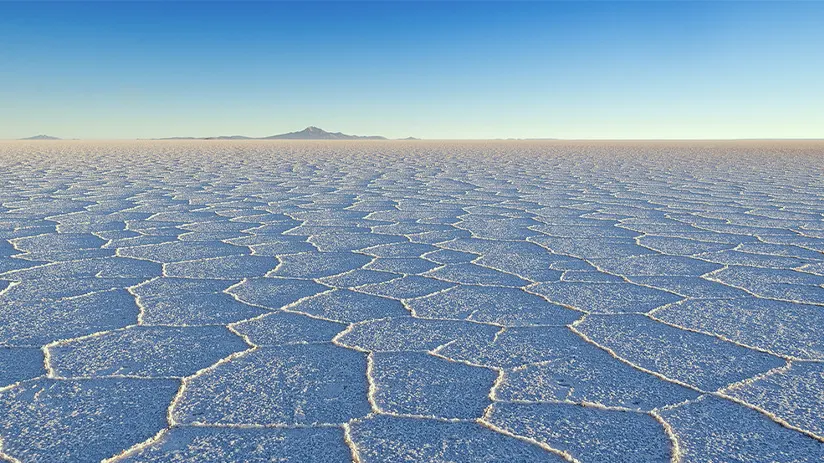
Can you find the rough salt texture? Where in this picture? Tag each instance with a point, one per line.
(411, 301)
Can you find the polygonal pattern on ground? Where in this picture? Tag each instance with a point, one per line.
(411, 301)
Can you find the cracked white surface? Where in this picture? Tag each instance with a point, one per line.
(423, 301)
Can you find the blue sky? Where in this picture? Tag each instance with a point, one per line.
(426, 69)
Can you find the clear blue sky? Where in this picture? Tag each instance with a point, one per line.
(426, 69)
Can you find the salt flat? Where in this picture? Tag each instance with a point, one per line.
(216, 301)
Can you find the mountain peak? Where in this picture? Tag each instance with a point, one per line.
(309, 133)
(316, 133)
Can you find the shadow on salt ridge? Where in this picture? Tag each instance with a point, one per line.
(504, 306)
(87, 420)
(590, 435)
(416, 383)
(348, 306)
(145, 351)
(390, 439)
(220, 445)
(301, 384)
(793, 395)
(697, 359)
(713, 429)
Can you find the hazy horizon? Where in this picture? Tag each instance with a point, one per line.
(571, 70)
(252, 139)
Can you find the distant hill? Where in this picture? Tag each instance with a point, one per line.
(314, 133)
(309, 133)
(41, 137)
(229, 137)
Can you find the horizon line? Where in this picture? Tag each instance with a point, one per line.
(413, 140)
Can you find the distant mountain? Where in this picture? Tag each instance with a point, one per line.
(41, 137)
(314, 133)
(309, 133)
(409, 138)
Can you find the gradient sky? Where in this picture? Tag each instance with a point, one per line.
(424, 69)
